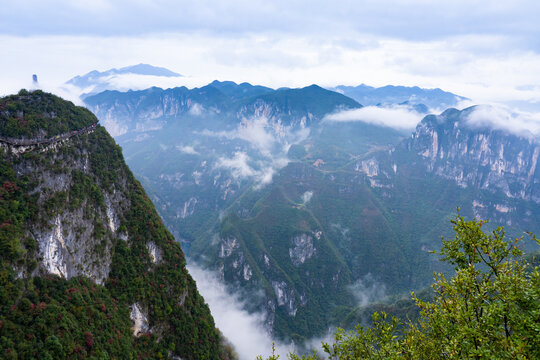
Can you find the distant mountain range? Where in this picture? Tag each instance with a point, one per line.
(153, 108)
(257, 185)
(96, 81)
(414, 96)
(418, 99)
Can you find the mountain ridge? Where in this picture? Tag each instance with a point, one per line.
(392, 94)
(124, 78)
(151, 108)
(73, 237)
(353, 195)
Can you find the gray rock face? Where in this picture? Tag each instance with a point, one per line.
(76, 230)
(139, 320)
(480, 158)
(285, 297)
(227, 247)
(62, 253)
(302, 250)
(154, 251)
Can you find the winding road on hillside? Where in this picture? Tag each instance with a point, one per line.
(46, 141)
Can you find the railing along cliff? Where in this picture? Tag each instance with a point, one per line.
(45, 141)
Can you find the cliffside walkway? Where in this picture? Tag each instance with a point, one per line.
(46, 141)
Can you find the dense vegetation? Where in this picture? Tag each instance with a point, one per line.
(39, 114)
(46, 316)
(489, 309)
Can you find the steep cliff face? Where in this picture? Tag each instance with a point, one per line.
(483, 158)
(213, 143)
(144, 110)
(452, 160)
(73, 219)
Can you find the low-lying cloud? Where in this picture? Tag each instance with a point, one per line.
(268, 138)
(238, 165)
(187, 149)
(367, 290)
(196, 109)
(241, 166)
(397, 117)
(247, 331)
(244, 330)
(269, 143)
(499, 117)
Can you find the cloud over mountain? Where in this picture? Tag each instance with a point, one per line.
(503, 118)
(397, 116)
(245, 330)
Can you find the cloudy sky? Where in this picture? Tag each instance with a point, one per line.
(486, 50)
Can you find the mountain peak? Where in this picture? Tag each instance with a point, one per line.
(139, 69)
(79, 232)
(40, 114)
(129, 77)
(146, 69)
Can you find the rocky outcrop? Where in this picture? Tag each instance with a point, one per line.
(76, 236)
(302, 250)
(285, 297)
(82, 223)
(482, 158)
(139, 320)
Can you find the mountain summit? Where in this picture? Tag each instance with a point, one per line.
(121, 79)
(87, 267)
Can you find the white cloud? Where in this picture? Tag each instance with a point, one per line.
(503, 118)
(238, 165)
(255, 132)
(196, 109)
(268, 138)
(244, 330)
(125, 82)
(243, 167)
(265, 177)
(398, 117)
(96, 6)
(456, 63)
(411, 19)
(271, 141)
(187, 149)
(114, 127)
(367, 290)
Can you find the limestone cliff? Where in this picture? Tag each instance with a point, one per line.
(78, 227)
(484, 158)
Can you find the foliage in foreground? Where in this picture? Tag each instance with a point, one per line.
(490, 309)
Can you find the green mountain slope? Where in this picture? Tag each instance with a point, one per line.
(319, 216)
(87, 269)
(377, 214)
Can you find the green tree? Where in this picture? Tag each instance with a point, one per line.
(489, 309)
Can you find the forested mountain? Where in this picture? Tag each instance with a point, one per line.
(320, 231)
(87, 268)
(155, 108)
(264, 188)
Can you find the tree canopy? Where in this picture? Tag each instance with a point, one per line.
(489, 309)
